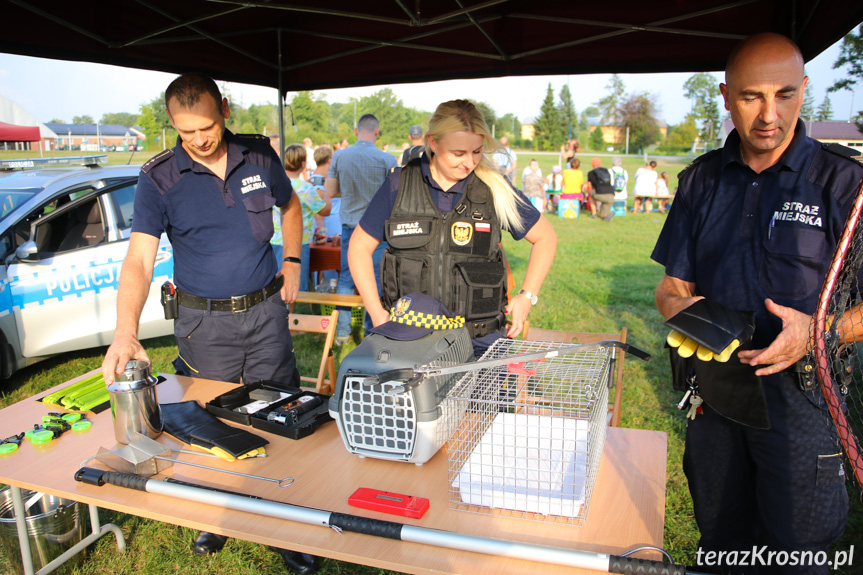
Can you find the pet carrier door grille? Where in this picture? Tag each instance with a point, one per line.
(377, 422)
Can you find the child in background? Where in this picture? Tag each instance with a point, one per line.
(571, 195)
(311, 200)
(662, 190)
(329, 225)
(553, 186)
(533, 185)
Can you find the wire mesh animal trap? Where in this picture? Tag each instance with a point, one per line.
(526, 438)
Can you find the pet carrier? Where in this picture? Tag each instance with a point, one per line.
(394, 419)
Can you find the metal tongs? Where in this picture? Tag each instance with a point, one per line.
(414, 376)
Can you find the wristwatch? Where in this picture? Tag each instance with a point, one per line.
(530, 296)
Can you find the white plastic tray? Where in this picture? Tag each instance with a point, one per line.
(526, 462)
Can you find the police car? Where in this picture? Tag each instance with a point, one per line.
(64, 230)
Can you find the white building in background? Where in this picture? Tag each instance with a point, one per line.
(12, 113)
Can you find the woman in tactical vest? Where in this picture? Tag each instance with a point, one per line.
(442, 216)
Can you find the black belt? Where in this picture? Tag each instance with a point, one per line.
(236, 304)
(484, 327)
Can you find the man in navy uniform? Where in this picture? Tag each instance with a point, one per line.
(213, 194)
(753, 227)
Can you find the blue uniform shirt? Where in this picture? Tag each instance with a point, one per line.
(381, 207)
(743, 237)
(220, 231)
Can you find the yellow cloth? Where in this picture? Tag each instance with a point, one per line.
(573, 180)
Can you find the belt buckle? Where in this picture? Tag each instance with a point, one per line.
(239, 304)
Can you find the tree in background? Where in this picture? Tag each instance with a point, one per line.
(638, 112)
(508, 124)
(589, 112)
(584, 122)
(256, 119)
(390, 112)
(550, 130)
(596, 140)
(851, 54)
(681, 136)
(703, 90)
(487, 112)
(56, 121)
(312, 115)
(567, 112)
(153, 119)
(825, 110)
(119, 119)
(807, 111)
(85, 119)
(609, 105)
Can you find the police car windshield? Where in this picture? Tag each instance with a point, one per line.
(10, 200)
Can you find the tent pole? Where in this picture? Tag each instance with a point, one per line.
(281, 98)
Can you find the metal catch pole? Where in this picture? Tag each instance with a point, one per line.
(391, 530)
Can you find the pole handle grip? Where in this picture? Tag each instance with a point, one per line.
(366, 525)
(633, 566)
(99, 478)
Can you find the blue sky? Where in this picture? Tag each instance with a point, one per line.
(51, 89)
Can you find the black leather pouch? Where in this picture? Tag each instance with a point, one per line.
(192, 424)
(733, 390)
(681, 369)
(713, 325)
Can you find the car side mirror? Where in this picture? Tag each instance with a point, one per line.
(27, 252)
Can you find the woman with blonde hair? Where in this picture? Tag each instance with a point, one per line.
(442, 216)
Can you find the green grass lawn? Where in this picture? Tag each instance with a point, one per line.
(602, 280)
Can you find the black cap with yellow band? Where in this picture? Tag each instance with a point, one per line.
(416, 315)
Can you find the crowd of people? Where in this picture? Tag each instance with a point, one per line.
(568, 190)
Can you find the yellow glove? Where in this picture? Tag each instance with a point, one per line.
(217, 451)
(254, 453)
(726, 353)
(687, 346)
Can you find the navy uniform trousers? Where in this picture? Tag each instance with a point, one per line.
(242, 347)
(783, 487)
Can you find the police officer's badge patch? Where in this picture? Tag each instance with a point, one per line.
(461, 232)
(402, 306)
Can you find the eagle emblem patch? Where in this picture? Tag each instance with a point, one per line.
(461, 233)
(402, 306)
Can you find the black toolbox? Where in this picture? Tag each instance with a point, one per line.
(291, 412)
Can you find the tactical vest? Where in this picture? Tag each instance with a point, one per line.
(455, 257)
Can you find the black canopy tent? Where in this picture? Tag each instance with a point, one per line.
(319, 44)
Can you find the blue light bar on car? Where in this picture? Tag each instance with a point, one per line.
(23, 163)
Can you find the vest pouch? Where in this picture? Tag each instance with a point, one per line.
(402, 275)
(479, 288)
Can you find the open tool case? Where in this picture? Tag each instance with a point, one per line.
(273, 407)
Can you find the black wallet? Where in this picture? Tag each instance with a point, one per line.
(713, 325)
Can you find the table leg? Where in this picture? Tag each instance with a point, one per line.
(21, 524)
(97, 532)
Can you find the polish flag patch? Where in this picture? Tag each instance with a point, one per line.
(482, 227)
